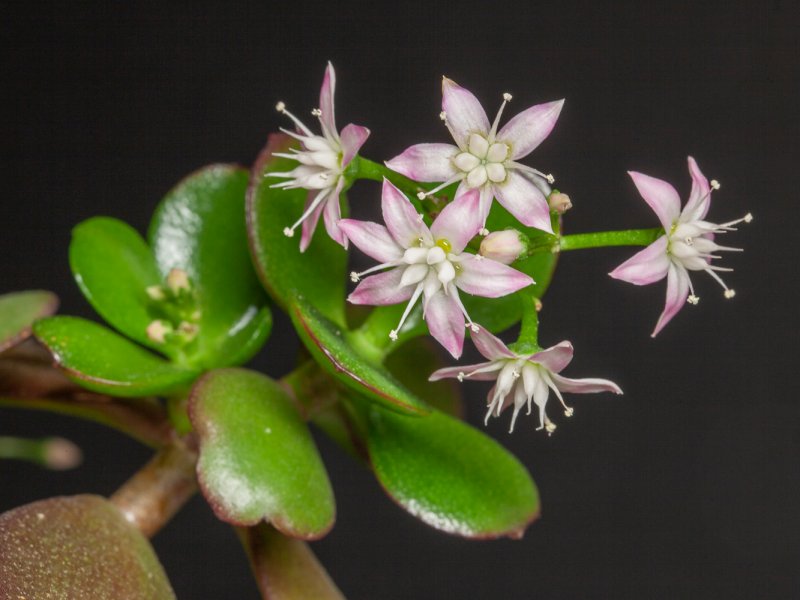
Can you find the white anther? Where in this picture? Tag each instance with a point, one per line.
(393, 335)
(288, 232)
(730, 294)
(420, 216)
(421, 195)
(689, 241)
(715, 184)
(474, 328)
(507, 97)
(479, 257)
(280, 106)
(550, 427)
(484, 232)
(692, 299)
(569, 411)
(748, 218)
(515, 374)
(354, 277)
(323, 176)
(460, 376)
(550, 179)
(316, 112)
(443, 116)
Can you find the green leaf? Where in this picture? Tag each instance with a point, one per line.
(285, 568)
(76, 547)
(199, 227)
(331, 348)
(103, 361)
(450, 475)
(257, 458)
(319, 273)
(113, 267)
(18, 311)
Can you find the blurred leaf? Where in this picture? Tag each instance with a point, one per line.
(76, 547)
(18, 311)
(113, 267)
(199, 227)
(330, 347)
(103, 361)
(285, 568)
(450, 475)
(319, 273)
(257, 458)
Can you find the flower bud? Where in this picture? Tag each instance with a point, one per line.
(559, 202)
(504, 246)
(177, 280)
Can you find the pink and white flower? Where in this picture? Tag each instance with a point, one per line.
(687, 244)
(428, 262)
(524, 378)
(323, 160)
(485, 159)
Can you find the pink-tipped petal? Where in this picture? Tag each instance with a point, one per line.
(489, 345)
(525, 201)
(589, 385)
(372, 239)
(353, 137)
(554, 358)
(446, 322)
(381, 289)
(677, 292)
(326, 94)
(486, 371)
(489, 278)
(646, 266)
(403, 221)
(310, 224)
(465, 115)
(333, 214)
(459, 221)
(660, 196)
(530, 128)
(426, 162)
(699, 198)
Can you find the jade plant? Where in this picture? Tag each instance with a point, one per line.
(466, 250)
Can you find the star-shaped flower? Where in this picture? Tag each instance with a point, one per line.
(485, 159)
(522, 378)
(430, 262)
(323, 160)
(687, 244)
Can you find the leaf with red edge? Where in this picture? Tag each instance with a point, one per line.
(257, 458)
(18, 311)
(76, 547)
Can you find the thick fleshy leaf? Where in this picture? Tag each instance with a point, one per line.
(200, 227)
(257, 459)
(320, 272)
(101, 360)
(76, 547)
(450, 475)
(332, 349)
(285, 568)
(18, 311)
(113, 267)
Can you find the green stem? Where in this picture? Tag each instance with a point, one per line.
(601, 239)
(367, 169)
(528, 340)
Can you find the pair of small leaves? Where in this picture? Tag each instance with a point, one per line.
(198, 228)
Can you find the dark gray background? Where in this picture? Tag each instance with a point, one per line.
(687, 486)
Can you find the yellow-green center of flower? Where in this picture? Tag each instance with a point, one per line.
(444, 245)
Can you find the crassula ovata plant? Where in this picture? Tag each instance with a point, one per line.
(465, 251)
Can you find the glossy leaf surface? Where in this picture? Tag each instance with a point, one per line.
(285, 568)
(18, 311)
(76, 547)
(103, 361)
(199, 227)
(450, 475)
(114, 266)
(319, 273)
(257, 458)
(330, 346)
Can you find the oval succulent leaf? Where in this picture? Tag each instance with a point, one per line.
(199, 228)
(257, 458)
(76, 547)
(330, 347)
(450, 475)
(320, 271)
(18, 311)
(103, 361)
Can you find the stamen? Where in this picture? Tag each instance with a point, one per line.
(316, 112)
(443, 116)
(441, 186)
(493, 131)
(715, 185)
(719, 280)
(460, 376)
(569, 411)
(549, 426)
(729, 293)
(550, 179)
(484, 232)
(289, 231)
(692, 299)
(479, 257)
(354, 277)
(414, 297)
(515, 374)
(281, 108)
(748, 218)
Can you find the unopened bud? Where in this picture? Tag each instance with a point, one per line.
(504, 246)
(157, 331)
(178, 280)
(60, 454)
(559, 202)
